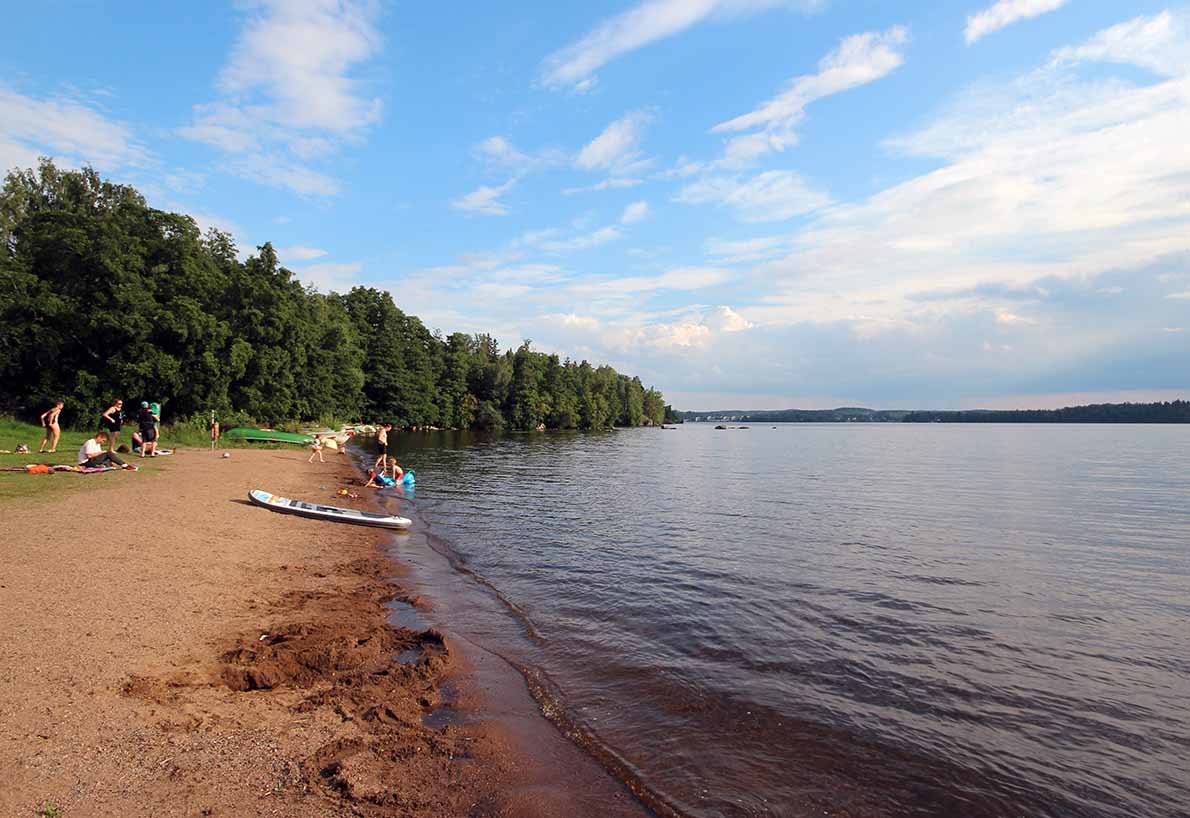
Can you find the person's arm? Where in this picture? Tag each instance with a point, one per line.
(108, 414)
(45, 415)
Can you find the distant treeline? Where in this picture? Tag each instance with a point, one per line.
(841, 415)
(1177, 411)
(102, 295)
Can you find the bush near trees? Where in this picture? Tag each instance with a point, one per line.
(101, 295)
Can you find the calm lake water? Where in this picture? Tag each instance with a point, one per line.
(855, 620)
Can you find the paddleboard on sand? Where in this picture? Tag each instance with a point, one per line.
(267, 436)
(321, 512)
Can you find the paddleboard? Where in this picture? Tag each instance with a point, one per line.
(321, 512)
(267, 436)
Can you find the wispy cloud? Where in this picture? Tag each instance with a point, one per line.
(772, 196)
(772, 127)
(635, 212)
(64, 128)
(299, 253)
(498, 152)
(615, 183)
(287, 94)
(575, 65)
(485, 199)
(1005, 13)
(1020, 193)
(330, 276)
(616, 149)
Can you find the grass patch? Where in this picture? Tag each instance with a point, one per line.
(48, 809)
(21, 487)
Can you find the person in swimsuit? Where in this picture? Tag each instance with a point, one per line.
(316, 449)
(49, 419)
(381, 463)
(112, 420)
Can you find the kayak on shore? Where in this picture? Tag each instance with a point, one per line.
(267, 436)
(317, 511)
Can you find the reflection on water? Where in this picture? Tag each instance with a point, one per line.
(884, 620)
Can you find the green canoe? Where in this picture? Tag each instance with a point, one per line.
(267, 436)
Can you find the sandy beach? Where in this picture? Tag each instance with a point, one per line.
(170, 649)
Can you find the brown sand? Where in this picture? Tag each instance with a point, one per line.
(168, 649)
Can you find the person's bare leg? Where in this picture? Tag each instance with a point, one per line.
(111, 441)
(44, 440)
(56, 430)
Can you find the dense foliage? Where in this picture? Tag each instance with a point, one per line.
(102, 295)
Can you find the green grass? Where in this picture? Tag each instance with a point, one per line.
(48, 809)
(22, 487)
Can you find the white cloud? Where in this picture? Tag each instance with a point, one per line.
(616, 148)
(739, 251)
(1057, 173)
(774, 195)
(575, 65)
(65, 129)
(616, 183)
(499, 152)
(287, 94)
(1156, 43)
(1005, 13)
(585, 241)
(485, 199)
(1006, 318)
(634, 212)
(858, 60)
(725, 319)
(1179, 296)
(299, 253)
(330, 276)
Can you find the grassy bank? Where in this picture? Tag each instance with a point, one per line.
(20, 486)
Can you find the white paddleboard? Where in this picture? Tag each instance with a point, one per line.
(320, 512)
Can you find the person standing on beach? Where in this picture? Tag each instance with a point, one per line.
(112, 420)
(381, 463)
(93, 456)
(49, 419)
(148, 430)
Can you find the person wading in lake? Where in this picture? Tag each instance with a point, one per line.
(112, 420)
(381, 463)
(49, 419)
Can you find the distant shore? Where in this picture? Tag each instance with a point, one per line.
(171, 650)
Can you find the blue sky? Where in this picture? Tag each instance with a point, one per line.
(749, 203)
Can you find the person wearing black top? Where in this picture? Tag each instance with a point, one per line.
(112, 420)
(148, 430)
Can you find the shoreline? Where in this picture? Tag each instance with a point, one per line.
(170, 646)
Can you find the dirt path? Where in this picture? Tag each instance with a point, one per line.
(169, 649)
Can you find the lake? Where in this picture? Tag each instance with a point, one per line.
(843, 619)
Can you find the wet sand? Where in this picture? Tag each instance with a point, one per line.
(169, 649)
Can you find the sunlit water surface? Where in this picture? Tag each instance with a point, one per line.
(875, 620)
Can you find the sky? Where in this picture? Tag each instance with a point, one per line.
(748, 203)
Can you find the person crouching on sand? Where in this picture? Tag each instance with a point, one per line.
(49, 419)
(93, 456)
(316, 449)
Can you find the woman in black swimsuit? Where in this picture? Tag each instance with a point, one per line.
(112, 420)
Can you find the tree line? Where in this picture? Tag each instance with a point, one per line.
(1177, 411)
(102, 295)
